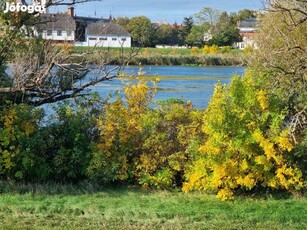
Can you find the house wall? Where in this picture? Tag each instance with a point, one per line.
(246, 42)
(54, 36)
(105, 41)
(248, 38)
(247, 30)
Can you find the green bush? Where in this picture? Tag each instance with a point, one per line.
(65, 144)
(18, 125)
(58, 149)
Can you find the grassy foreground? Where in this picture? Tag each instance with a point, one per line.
(67, 207)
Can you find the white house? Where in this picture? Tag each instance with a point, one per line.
(248, 31)
(81, 31)
(103, 34)
(56, 27)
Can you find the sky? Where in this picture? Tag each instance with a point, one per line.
(160, 10)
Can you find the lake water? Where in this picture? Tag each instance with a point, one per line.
(195, 84)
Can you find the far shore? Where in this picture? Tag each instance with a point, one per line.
(164, 56)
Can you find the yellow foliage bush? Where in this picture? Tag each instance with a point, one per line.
(214, 49)
(167, 133)
(248, 49)
(206, 49)
(144, 144)
(120, 136)
(194, 51)
(247, 144)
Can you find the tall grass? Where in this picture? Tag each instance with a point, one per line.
(86, 206)
(199, 60)
(153, 56)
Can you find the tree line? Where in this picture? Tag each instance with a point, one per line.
(221, 26)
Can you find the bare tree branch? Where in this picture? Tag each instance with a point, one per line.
(296, 9)
(52, 73)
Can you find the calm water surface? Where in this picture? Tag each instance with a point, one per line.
(195, 84)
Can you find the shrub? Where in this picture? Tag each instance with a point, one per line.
(194, 51)
(166, 134)
(120, 138)
(248, 49)
(214, 49)
(206, 49)
(247, 142)
(226, 49)
(61, 149)
(18, 124)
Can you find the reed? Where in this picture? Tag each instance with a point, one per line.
(152, 56)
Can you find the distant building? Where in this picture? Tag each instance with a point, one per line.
(81, 31)
(106, 35)
(207, 36)
(56, 27)
(247, 30)
(82, 23)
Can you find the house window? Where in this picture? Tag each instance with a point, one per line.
(114, 39)
(69, 33)
(124, 39)
(103, 39)
(49, 32)
(92, 39)
(59, 32)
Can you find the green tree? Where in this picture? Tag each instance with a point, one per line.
(141, 30)
(166, 34)
(122, 21)
(187, 25)
(242, 15)
(224, 32)
(221, 26)
(196, 35)
(224, 36)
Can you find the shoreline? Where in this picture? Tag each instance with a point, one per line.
(164, 57)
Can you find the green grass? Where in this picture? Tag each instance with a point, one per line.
(88, 207)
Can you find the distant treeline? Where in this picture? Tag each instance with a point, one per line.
(219, 28)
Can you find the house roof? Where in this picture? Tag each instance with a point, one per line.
(56, 22)
(90, 20)
(248, 23)
(100, 28)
